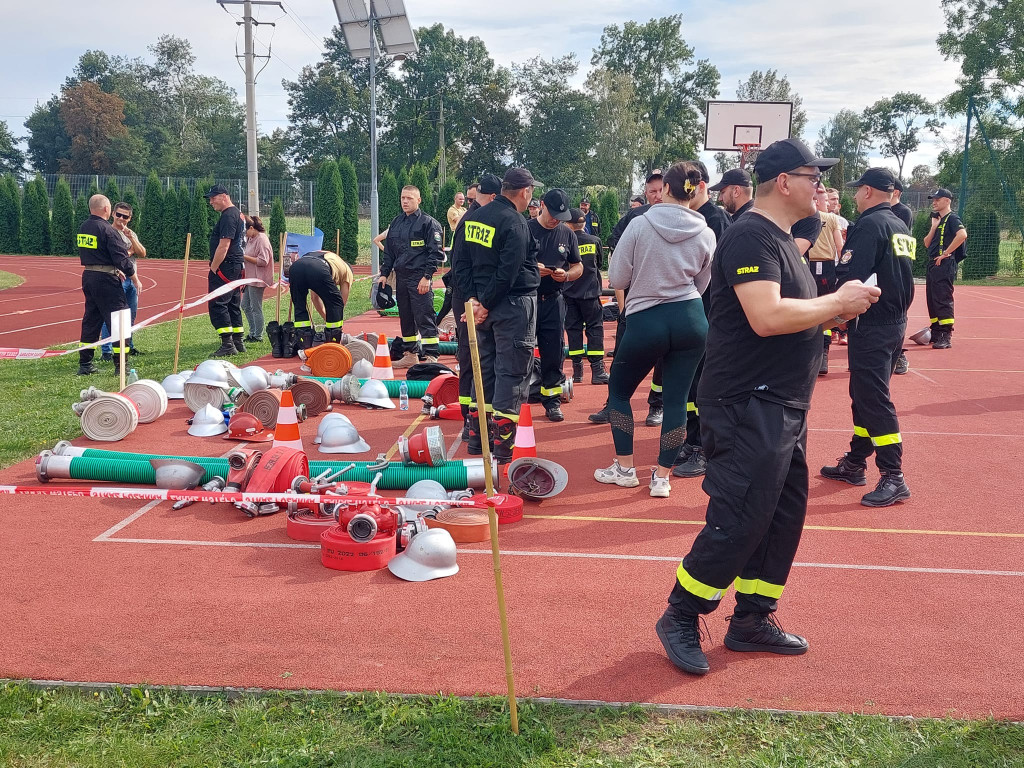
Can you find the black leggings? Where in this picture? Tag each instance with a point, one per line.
(676, 333)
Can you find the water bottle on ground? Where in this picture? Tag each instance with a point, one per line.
(133, 376)
(403, 396)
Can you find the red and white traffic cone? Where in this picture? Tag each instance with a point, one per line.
(382, 360)
(287, 431)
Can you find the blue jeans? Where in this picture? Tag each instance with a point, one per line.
(132, 295)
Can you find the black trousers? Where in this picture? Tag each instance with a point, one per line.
(939, 292)
(655, 396)
(874, 350)
(226, 311)
(756, 481)
(467, 385)
(415, 314)
(506, 340)
(824, 273)
(583, 314)
(104, 295)
(550, 329)
(692, 412)
(313, 273)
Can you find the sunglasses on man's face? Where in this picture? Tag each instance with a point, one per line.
(125, 216)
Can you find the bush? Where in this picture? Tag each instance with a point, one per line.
(63, 222)
(982, 222)
(350, 230)
(167, 246)
(278, 225)
(150, 220)
(35, 221)
(113, 192)
(403, 181)
(184, 211)
(608, 211)
(199, 223)
(848, 208)
(446, 199)
(418, 178)
(387, 194)
(10, 215)
(329, 204)
(922, 223)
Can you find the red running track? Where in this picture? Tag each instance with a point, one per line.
(912, 610)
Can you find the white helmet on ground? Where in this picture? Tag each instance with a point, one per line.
(174, 386)
(208, 422)
(327, 421)
(430, 555)
(375, 393)
(342, 438)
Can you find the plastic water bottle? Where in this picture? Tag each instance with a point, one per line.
(133, 376)
(403, 396)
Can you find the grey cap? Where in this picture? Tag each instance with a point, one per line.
(520, 178)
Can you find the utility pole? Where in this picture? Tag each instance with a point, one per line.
(252, 159)
(374, 196)
(442, 166)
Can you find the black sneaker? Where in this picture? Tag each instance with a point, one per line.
(680, 635)
(554, 413)
(87, 369)
(754, 632)
(945, 341)
(891, 488)
(601, 417)
(135, 352)
(902, 365)
(846, 471)
(107, 357)
(695, 463)
(655, 416)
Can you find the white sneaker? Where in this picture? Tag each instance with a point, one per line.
(616, 475)
(660, 486)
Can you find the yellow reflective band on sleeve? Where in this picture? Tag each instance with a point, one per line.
(694, 587)
(828, 331)
(87, 241)
(303, 323)
(480, 234)
(946, 321)
(544, 392)
(691, 408)
(431, 340)
(860, 432)
(219, 331)
(464, 400)
(513, 417)
(887, 440)
(588, 249)
(417, 243)
(576, 352)
(334, 325)
(596, 353)
(656, 387)
(758, 587)
(410, 338)
(904, 245)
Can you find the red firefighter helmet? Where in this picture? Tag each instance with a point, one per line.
(245, 426)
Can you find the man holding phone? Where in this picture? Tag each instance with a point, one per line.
(945, 243)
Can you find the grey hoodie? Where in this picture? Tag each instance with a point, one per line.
(663, 256)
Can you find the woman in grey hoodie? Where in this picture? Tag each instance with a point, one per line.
(664, 260)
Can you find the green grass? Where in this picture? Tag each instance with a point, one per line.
(35, 411)
(10, 280)
(155, 727)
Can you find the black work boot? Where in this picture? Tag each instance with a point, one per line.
(680, 635)
(891, 488)
(87, 369)
(655, 416)
(503, 439)
(474, 443)
(577, 370)
(276, 342)
(288, 346)
(598, 375)
(601, 417)
(226, 348)
(846, 470)
(333, 335)
(554, 412)
(694, 465)
(823, 368)
(944, 340)
(238, 341)
(304, 337)
(761, 632)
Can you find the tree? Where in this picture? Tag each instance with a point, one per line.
(81, 210)
(768, 86)
(843, 136)
(403, 181)
(48, 142)
(12, 159)
(35, 221)
(112, 191)
(151, 217)
(922, 176)
(130, 197)
(63, 224)
(184, 216)
(982, 222)
(10, 215)
(92, 120)
(350, 227)
(418, 178)
(272, 151)
(388, 192)
(278, 225)
(896, 124)
(620, 135)
(669, 97)
(199, 223)
(166, 246)
(608, 210)
(329, 203)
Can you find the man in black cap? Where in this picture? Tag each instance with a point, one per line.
(763, 350)
(583, 306)
(945, 243)
(902, 211)
(637, 201)
(878, 245)
(735, 192)
(226, 263)
(558, 259)
(414, 249)
(533, 209)
(592, 225)
(495, 263)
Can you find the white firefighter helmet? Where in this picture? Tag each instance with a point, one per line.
(375, 393)
(327, 421)
(362, 369)
(253, 379)
(922, 337)
(342, 438)
(423, 489)
(430, 555)
(536, 479)
(174, 386)
(208, 422)
(211, 373)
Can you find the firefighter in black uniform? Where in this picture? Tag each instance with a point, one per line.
(945, 243)
(763, 350)
(328, 276)
(495, 262)
(414, 250)
(734, 192)
(558, 259)
(877, 244)
(591, 222)
(902, 211)
(226, 265)
(691, 461)
(583, 306)
(106, 264)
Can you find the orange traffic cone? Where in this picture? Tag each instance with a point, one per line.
(382, 360)
(526, 440)
(287, 432)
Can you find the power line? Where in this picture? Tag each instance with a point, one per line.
(304, 28)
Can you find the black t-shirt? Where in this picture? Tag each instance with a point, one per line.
(558, 249)
(587, 285)
(231, 227)
(949, 225)
(904, 214)
(739, 363)
(808, 228)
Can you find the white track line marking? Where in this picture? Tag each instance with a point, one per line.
(926, 378)
(940, 434)
(997, 299)
(105, 536)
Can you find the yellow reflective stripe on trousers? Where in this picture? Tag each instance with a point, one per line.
(464, 400)
(410, 338)
(934, 319)
(595, 353)
(575, 352)
(691, 408)
(945, 321)
(860, 432)
(334, 325)
(828, 331)
(431, 340)
(759, 587)
(694, 587)
(656, 387)
(513, 417)
(238, 330)
(219, 331)
(892, 439)
(303, 323)
(545, 392)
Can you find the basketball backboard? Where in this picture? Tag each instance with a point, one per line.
(738, 126)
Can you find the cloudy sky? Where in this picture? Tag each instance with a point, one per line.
(836, 54)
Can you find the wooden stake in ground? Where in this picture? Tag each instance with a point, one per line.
(181, 306)
(492, 517)
(121, 350)
(337, 241)
(280, 275)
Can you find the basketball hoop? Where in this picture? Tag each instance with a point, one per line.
(745, 150)
(746, 126)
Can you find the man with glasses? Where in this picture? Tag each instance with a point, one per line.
(132, 285)
(763, 350)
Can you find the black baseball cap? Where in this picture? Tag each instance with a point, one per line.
(705, 177)
(736, 177)
(639, 199)
(881, 179)
(655, 174)
(216, 189)
(489, 184)
(898, 185)
(535, 203)
(940, 192)
(586, 199)
(576, 216)
(557, 203)
(785, 156)
(520, 178)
